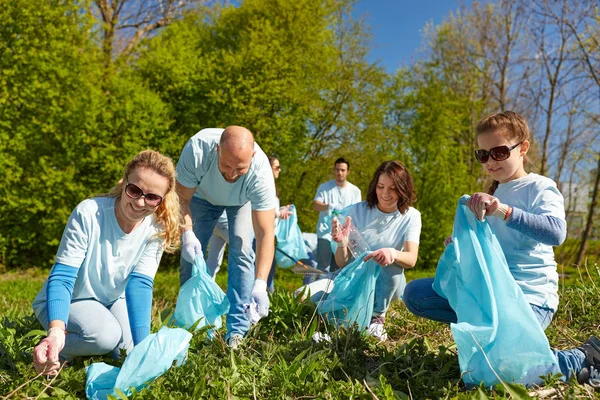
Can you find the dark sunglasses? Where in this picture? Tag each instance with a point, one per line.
(151, 199)
(499, 153)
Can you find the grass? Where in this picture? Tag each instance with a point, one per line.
(280, 361)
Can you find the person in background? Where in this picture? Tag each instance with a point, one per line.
(216, 245)
(226, 170)
(526, 213)
(280, 213)
(336, 194)
(98, 297)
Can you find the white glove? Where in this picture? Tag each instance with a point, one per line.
(190, 246)
(260, 297)
(45, 354)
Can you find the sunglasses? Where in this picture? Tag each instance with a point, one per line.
(499, 153)
(277, 168)
(150, 199)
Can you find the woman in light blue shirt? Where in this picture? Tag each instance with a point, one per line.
(391, 227)
(98, 297)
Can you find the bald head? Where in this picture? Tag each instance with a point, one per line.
(236, 139)
(236, 149)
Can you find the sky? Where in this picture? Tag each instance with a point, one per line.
(397, 26)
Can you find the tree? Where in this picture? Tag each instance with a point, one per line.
(293, 72)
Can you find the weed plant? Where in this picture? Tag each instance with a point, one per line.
(280, 360)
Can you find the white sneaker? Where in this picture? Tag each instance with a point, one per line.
(376, 329)
(594, 379)
(234, 341)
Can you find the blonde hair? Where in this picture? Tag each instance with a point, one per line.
(168, 213)
(510, 124)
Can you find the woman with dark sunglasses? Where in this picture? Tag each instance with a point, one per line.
(527, 216)
(98, 297)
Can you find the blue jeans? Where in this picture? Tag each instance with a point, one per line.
(216, 248)
(391, 281)
(422, 300)
(241, 270)
(94, 329)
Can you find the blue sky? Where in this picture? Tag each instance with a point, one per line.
(397, 26)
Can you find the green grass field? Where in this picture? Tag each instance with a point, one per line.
(280, 361)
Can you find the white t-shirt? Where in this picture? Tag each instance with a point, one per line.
(337, 198)
(198, 168)
(94, 243)
(381, 229)
(531, 263)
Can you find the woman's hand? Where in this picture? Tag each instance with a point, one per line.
(284, 212)
(383, 257)
(45, 354)
(339, 233)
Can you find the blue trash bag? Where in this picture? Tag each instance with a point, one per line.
(290, 241)
(151, 358)
(497, 334)
(353, 295)
(200, 298)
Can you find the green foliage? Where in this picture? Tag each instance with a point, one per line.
(62, 139)
(293, 72)
(432, 130)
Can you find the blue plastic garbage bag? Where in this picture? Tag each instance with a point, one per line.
(497, 334)
(289, 239)
(151, 358)
(200, 298)
(353, 295)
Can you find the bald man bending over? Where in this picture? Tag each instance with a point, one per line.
(224, 169)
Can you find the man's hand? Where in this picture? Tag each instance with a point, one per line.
(190, 246)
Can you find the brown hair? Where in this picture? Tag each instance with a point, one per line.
(271, 161)
(168, 213)
(512, 125)
(402, 181)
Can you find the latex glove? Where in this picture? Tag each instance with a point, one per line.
(483, 204)
(383, 257)
(340, 233)
(190, 246)
(448, 241)
(260, 297)
(45, 354)
(284, 212)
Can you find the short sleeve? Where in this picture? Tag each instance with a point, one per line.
(75, 239)
(150, 258)
(262, 196)
(548, 201)
(357, 196)
(320, 195)
(413, 232)
(190, 165)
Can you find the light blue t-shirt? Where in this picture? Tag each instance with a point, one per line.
(198, 167)
(381, 229)
(94, 243)
(531, 262)
(337, 198)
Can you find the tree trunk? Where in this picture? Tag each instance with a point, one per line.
(590, 220)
